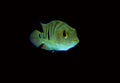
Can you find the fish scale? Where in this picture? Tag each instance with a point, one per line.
(52, 27)
(55, 26)
(58, 25)
(52, 30)
(49, 29)
(44, 31)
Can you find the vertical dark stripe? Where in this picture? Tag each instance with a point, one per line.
(48, 34)
(43, 26)
(50, 31)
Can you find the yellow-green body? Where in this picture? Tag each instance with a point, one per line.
(56, 35)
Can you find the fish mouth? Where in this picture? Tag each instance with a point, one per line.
(76, 41)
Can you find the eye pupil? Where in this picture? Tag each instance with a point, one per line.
(64, 33)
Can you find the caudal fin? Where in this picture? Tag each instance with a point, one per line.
(35, 38)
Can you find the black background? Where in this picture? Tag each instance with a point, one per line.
(88, 18)
(35, 55)
(30, 19)
(26, 17)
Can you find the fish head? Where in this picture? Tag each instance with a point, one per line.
(66, 37)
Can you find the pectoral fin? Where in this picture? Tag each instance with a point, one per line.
(45, 47)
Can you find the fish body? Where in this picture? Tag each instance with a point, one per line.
(57, 36)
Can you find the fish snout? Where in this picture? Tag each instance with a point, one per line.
(76, 40)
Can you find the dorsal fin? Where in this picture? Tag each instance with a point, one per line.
(43, 25)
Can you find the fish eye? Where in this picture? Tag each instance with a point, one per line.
(64, 34)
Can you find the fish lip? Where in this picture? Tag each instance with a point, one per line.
(76, 41)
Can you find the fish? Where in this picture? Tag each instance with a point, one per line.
(56, 36)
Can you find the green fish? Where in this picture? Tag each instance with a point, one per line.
(56, 36)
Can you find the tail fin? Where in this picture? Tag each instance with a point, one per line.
(35, 38)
